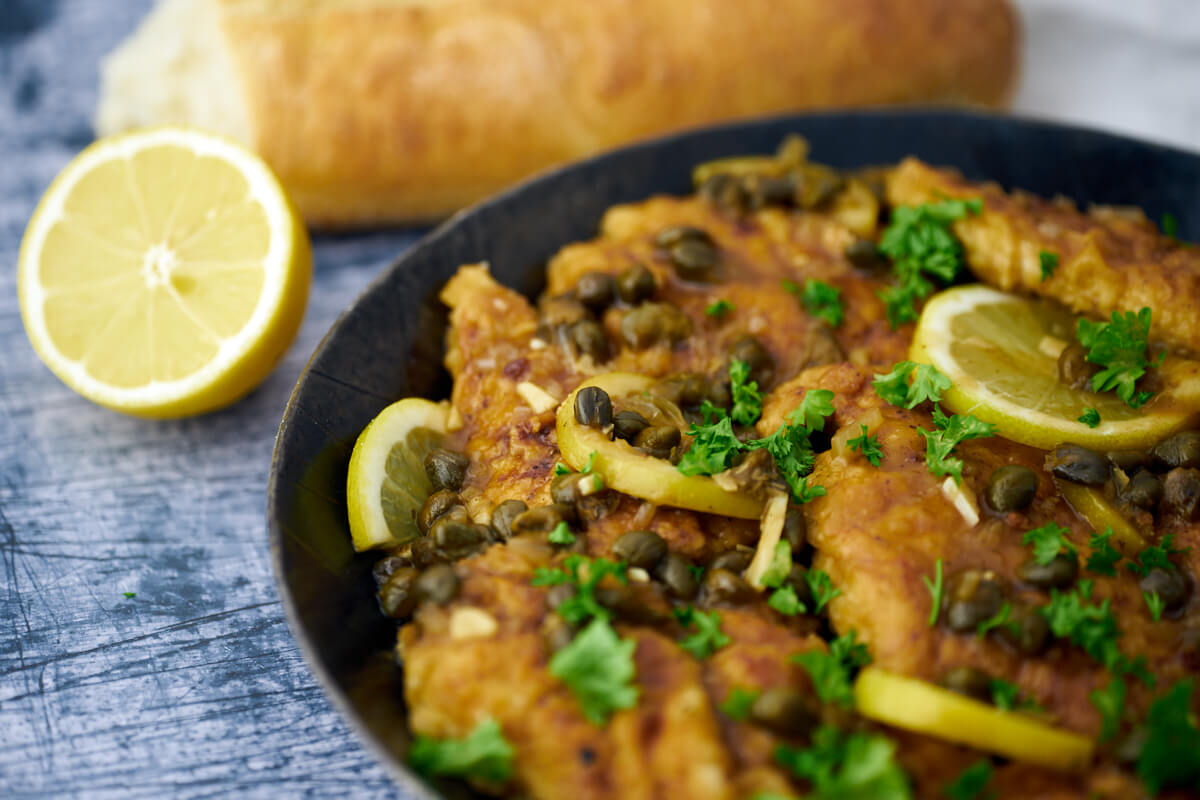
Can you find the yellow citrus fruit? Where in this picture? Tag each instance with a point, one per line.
(386, 484)
(921, 707)
(1001, 352)
(164, 272)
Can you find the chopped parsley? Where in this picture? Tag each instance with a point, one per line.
(708, 637)
(585, 574)
(847, 765)
(561, 468)
(934, 587)
(719, 308)
(1119, 347)
(483, 755)
(1104, 557)
(950, 431)
(820, 300)
(786, 601)
(1006, 696)
(868, 446)
(920, 243)
(1155, 604)
(1048, 541)
(737, 704)
(781, 564)
(129, 595)
(713, 447)
(1092, 627)
(1110, 702)
(998, 619)
(822, 588)
(1048, 262)
(815, 406)
(747, 402)
(831, 671)
(597, 666)
(1169, 755)
(697, 571)
(1155, 556)
(562, 534)
(1090, 417)
(927, 384)
(972, 783)
(1170, 224)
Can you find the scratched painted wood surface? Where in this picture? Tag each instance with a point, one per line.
(193, 688)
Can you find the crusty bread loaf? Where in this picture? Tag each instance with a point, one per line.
(379, 111)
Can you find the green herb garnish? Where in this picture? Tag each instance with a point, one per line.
(719, 309)
(1155, 556)
(1169, 224)
(1110, 702)
(737, 704)
(998, 619)
(1169, 756)
(950, 431)
(708, 637)
(1090, 417)
(822, 588)
(1120, 348)
(1104, 557)
(927, 384)
(1155, 604)
(747, 402)
(1048, 541)
(585, 574)
(483, 755)
(597, 666)
(820, 300)
(1048, 262)
(934, 588)
(786, 601)
(561, 534)
(972, 783)
(867, 445)
(1006, 696)
(831, 672)
(847, 766)
(129, 595)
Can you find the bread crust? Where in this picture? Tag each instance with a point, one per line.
(377, 112)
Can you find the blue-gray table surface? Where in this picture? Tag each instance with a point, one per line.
(195, 687)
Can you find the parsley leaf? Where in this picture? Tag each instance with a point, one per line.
(1090, 417)
(972, 783)
(868, 446)
(781, 564)
(129, 595)
(597, 666)
(561, 468)
(713, 448)
(934, 587)
(793, 454)
(1104, 557)
(1158, 555)
(1170, 224)
(815, 406)
(1119, 347)
(820, 300)
(927, 384)
(708, 637)
(1092, 627)
(1155, 604)
(719, 308)
(1007, 696)
(1110, 702)
(561, 534)
(1001, 617)
(737, 704)
(940, 443)
(786, 601)
(822, 588)
(586, 574)
(847, 766)
(484, 755)
(920, 243)
(1048, 541)
(831, 671)
(747, 402)
(1048, 262)
(1169, 755)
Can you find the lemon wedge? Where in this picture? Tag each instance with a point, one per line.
(919, 706)
(1001, 352)
(163, 273)
(629, 470)
(386, 484)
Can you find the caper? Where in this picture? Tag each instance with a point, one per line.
(1011, 488)
(1128, 460)
(823, 346)
(970, 682)
(658, 440)
(819, 187)
(795, 530)
(504, 514)
(864, 254)
(760, 362)
(385, 567)
(628, 424)
(785, 711)
(1181, 493)
(593, 407)
(423, 553)
(626, 602)
(1074, 369)
(651, 323)
(767, 190)
(595, 290)
(565, 489)
(723, 586)
(455, 540)
(973, 597)
(676, 574)
(438, 584)
(597, 505)
(1144, 490)
(735, 561)
(588, 339)
(669, 237)
(398, 596)
(1128, 749)
(542, 519)
(1172, 587)
(1027, 631)
(438, 505)
(682, 389)
(636, 284)
(725, 191)
(557, 312)
(694, 259)
(1077, 464)
(1180, 450)
(1060, 572)
(445, 470)
(798, 579)
(643, 549)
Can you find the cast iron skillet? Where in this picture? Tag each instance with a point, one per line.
(388, 344)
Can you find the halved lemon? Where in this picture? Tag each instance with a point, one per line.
(1001, 352)
(628, 470)
(921, 707)
(163, 273)
(386, 484)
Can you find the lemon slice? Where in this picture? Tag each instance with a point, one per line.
(386, 484)
(163, 273)
(629, 470)
(919, 706)
(1001, 352)
(1091, 504)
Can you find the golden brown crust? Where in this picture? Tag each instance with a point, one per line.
(388, 111)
